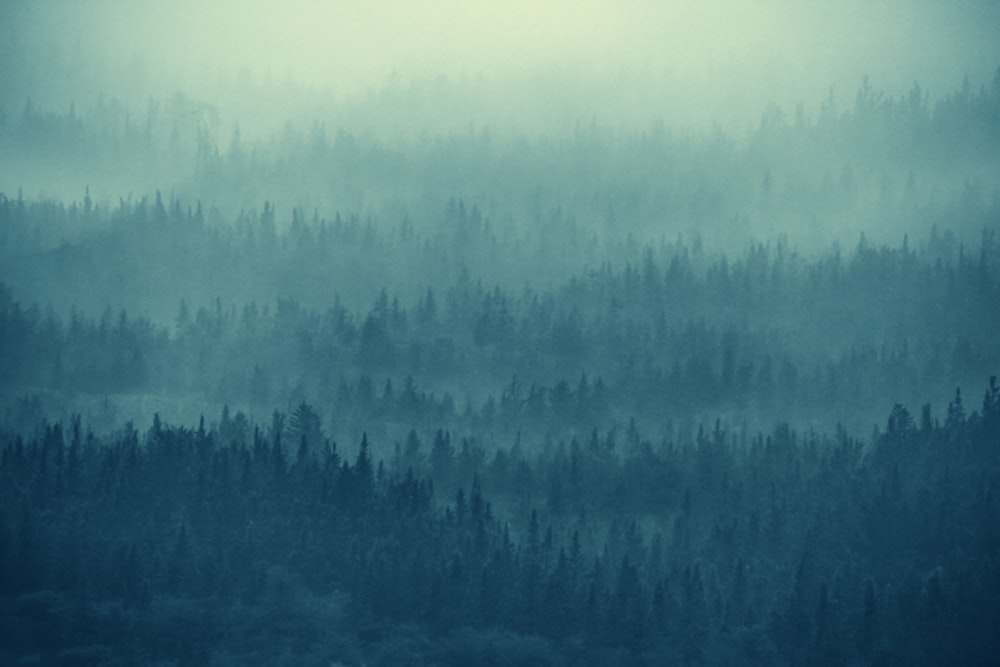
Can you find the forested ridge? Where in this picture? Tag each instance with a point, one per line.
(857, 161)
(770, 333)
(224, 545)
(587, 394)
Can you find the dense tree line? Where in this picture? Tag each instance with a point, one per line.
(244, 542)
(769, 333)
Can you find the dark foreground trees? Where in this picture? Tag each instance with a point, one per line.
(231, 545)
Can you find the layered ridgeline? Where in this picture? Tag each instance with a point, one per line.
(673, 336)
(821, 172)
(595, 393)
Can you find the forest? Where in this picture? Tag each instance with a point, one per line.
(416, 378)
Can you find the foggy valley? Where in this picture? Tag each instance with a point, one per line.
(451, 333)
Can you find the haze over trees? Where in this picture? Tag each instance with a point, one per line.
(497, 345)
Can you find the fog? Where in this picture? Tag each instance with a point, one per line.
(458, 333)
(161, 86)
(694, 63)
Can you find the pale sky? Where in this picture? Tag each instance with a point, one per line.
(723, 51)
